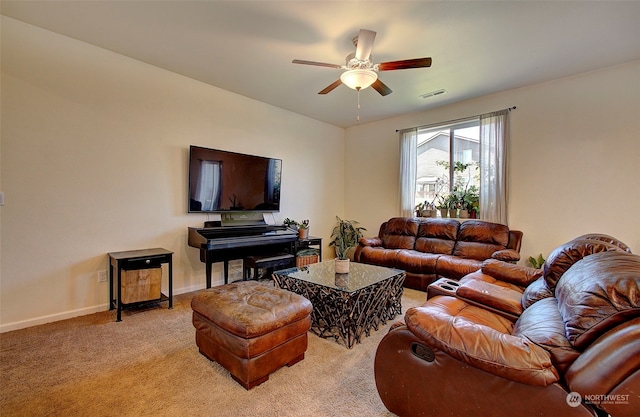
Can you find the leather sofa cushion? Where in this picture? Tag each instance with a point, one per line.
(414, 261)
(485, 232)
(456, 267)
(564, 256)
(481, 338)
(542, 324)
(514, 274)
(378, 256)
(480, 276)
(479, 240)
(598, 293)
(400, 233)
(494, 296)
(606, 364)
(605, 238)
(437, 236)
(535, 292)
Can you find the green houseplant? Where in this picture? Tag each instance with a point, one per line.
(536, 263)
(344, 238)
(302, 227)
(443, 206)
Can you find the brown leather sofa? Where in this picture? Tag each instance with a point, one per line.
(573, 353)
(429, 248)
(508, 288)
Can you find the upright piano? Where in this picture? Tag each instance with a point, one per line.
(225, 243)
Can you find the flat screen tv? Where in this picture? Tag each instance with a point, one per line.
(222, 181)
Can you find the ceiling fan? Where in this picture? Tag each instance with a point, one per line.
(360, 71)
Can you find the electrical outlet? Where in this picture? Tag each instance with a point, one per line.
(102, 276)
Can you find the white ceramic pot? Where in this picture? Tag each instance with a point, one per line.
(342, 266)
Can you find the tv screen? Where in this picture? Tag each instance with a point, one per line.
(222, 181)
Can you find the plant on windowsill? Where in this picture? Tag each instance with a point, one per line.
(443, 206)
(472, 201)
(425, 209)
(344, 238)
(452, 205)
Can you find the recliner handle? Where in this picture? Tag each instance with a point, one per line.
(423, 352)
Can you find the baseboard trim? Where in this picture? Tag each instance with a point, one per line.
(75, 313)
(52, 317)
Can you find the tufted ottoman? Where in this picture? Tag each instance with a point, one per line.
(251, 329)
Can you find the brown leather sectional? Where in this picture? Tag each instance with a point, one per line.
(429, 248)
(573, 350)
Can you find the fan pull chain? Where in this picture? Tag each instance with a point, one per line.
(358, 116)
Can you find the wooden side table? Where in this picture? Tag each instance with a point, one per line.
(133, 260)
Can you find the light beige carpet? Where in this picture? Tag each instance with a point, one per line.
(148, 365)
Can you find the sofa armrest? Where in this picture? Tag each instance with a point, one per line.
(481, 339)
(506, 255)
(521, 276)
(502, 300)
(370, 241)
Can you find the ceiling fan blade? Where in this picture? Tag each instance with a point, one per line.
(365, 44)
(405, 64)
(331, 87)
(317, 64)
(381, 87)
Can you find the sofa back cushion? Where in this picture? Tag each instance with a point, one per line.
(564, 256)
(479, 240)
(400, 233)
(437, 236)
(598, 293)
(542, 324)
(605, 238)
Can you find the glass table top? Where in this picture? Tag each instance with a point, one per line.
(324, 273)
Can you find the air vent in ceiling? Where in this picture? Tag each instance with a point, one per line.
(433, 93)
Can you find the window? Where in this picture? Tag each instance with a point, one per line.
(465, 158)
(447, 174)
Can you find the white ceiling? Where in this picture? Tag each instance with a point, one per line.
(478, 47)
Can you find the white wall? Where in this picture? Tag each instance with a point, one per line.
(574, 158)
(94, 160)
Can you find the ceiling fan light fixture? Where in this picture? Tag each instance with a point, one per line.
(358, 79)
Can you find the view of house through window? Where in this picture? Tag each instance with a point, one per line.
(447, 174)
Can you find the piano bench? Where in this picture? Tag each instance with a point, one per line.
(282, 260)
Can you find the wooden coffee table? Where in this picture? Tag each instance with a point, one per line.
(346, 306)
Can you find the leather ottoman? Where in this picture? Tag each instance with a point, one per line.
(251, 329)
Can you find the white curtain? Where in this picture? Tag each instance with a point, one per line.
(208, 188)
(494, 136)
(408, 171)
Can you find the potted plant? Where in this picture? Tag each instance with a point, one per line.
(452, 205)
(302, 227)
(425, 209)
(536, 263)
(344, 238)
(420, 209)
(472, 201)
(443, 206)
